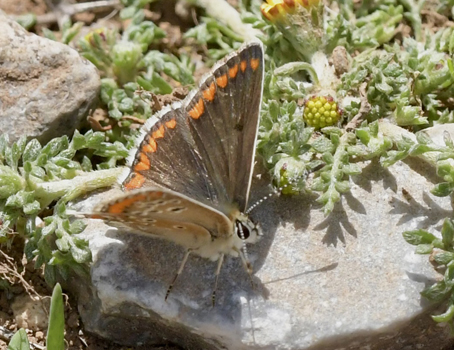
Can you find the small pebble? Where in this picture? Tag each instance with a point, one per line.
(340, 60)
(39, 335)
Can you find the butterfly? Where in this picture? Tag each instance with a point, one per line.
(189, 176)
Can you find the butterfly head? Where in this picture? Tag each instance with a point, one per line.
(246, 230)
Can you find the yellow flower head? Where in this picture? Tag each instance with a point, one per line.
(275, 9)
(100, 31)
(321, 111)
(300, 21)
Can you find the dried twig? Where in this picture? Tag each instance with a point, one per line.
(133, 119)
(8, 269)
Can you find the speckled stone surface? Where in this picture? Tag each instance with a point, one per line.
(46, 88)
(348, 281)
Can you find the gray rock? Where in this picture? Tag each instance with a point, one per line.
(438, 132)
(46, 88)
(348, 281)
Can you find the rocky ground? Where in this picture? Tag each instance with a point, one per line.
(24, 295)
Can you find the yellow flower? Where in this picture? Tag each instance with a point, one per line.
(321, 111)
(275, 9)
(100, 31)
(301, 22)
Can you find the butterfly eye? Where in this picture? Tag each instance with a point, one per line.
(246, 231)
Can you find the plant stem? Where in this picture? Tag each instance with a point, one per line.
(226, 14)
(70, 189)
(293, 67)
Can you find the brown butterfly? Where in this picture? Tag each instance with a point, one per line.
(190, 174)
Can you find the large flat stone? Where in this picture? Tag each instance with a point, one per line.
(347, 281)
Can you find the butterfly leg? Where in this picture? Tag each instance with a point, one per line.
(247, 265)
(180, 269)
(218, 270)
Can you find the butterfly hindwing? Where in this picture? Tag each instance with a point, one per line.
(166, 214)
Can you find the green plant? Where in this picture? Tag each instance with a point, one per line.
(410, 87)
(32, 177)
(128, 65)
(68, 32)
(211, 32)
(442, 251)
(132, 7)
(56, 329)
(19, 341)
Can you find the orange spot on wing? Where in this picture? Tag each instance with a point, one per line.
(150, 147)
(136, 181)
(233, 71)
(255, 63)
(171, 123)
(144, 159)
(120, 207)
(144, 163)
(243, 65)
(158, 133)
(209, 93)
(222, 81)
(197, 110)
(140, 166)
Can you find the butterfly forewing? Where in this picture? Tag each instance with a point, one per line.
(167, 157)
(226, 107)
(204, 147)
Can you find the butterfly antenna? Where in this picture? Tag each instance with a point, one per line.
(218, 270)
(278, 191)
(186, 256)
